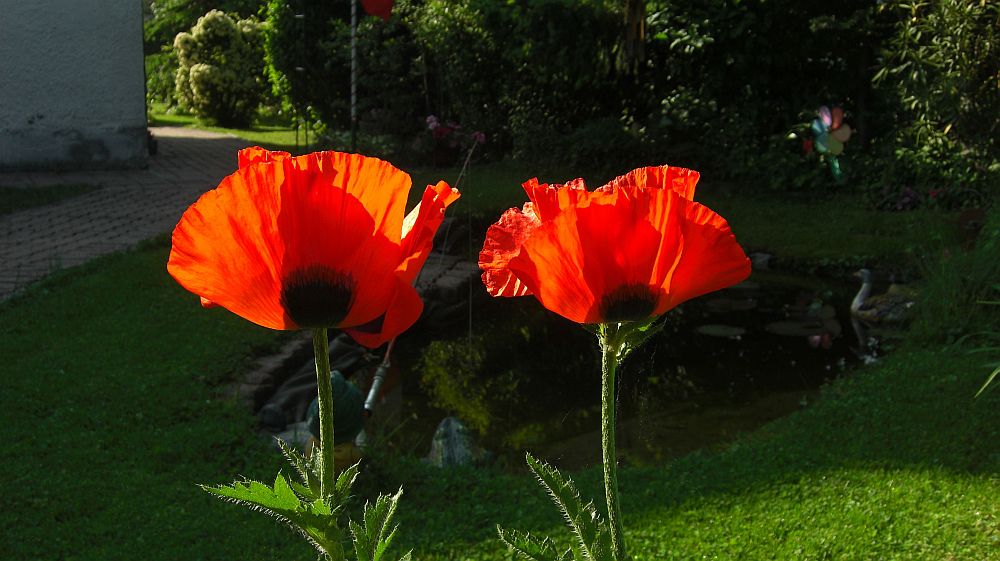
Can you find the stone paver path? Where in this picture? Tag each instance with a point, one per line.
(131, 206)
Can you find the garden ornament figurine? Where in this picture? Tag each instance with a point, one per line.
(831, 133)
(891, 307)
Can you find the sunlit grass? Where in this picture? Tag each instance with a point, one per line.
(112, 377)
(112, 400)
(871, 472)
(272, 133)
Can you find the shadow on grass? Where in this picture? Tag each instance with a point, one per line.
(905, 437)
(112, 415)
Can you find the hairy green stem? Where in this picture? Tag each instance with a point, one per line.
(324, 390)
(610, 348)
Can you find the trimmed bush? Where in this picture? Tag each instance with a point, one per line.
(220, 77)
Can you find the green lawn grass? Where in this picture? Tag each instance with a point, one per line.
(112, 401)
(273, 134)
(13, 199)
(113, 410)
(835, 231)
(832, 231)
(895, 462)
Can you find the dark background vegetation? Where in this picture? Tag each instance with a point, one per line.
(724, 86)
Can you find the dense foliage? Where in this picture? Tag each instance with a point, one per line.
(309, 64)
(940, 71)
(163, 20)
(727, 87)
(220, 76)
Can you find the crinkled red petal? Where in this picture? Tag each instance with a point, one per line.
(679, 180)
(503, 243)
(256, 155)
(227, 249)
(240, 244)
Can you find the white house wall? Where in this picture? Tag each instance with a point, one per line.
(72, 85)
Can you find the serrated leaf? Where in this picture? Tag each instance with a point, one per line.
(373, 539)
(345, 482)
(305, 467)
(530, 548)
(313, 519)
(591, 537)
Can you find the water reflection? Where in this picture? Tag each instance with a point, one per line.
(725, 364)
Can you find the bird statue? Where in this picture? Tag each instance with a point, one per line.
(891, 307)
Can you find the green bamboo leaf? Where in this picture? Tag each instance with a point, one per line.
(989, 381)
(591, 537)
(530, 548)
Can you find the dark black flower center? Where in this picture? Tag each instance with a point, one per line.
(630, 302)
(317, 296)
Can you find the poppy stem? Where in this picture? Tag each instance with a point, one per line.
(611, 346)
(324, 399)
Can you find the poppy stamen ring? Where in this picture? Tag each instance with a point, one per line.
(317, 296)
(629, 302)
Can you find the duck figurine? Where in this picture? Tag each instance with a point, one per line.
(891, 307)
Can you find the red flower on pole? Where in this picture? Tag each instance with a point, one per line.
(311, 241)
(628, 251)
(379, 8)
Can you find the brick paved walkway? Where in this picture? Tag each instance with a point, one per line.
(131, 206)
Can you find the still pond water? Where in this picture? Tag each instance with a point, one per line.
(727, 363)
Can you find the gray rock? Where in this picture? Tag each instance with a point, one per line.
(452, 445)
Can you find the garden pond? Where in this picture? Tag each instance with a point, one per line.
(522, 378)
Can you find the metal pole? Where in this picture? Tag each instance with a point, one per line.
(354, 75)
(380, 374)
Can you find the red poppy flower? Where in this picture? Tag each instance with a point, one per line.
(310, 241)
(379, 8)
(628, 251)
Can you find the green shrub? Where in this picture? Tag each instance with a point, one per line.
(525, 71)
(164, 19)
(522, 72)
(161, 68)
(308, 48)
(220, 75)
(452, 374)
(940, 68)
(949, 305)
